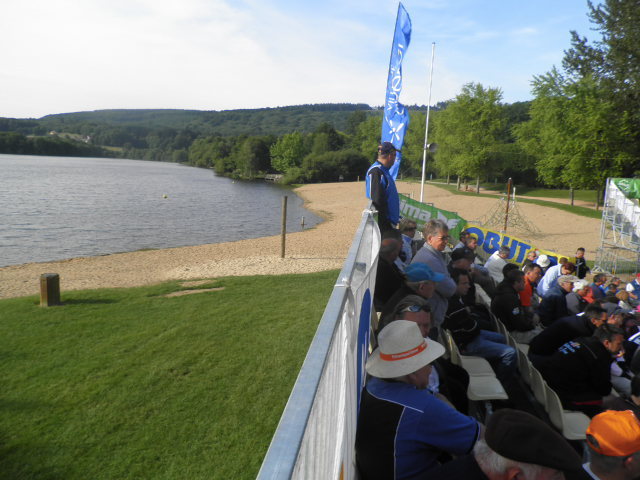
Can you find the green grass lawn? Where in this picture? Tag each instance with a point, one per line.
(584, 195)
(127, 384)
(583, 211)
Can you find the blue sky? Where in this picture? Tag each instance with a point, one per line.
(76, 55)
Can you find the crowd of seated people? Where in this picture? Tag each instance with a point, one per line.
(583, 337)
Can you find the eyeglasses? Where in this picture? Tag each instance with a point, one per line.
(443, 237)
(412, 308)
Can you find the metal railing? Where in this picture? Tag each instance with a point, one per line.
(316, 433)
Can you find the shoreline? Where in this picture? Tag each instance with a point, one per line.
(323, 247)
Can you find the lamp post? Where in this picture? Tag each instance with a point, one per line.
(426, 128)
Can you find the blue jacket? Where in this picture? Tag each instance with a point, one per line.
(402, 431)
(553, 305)
(381, 189)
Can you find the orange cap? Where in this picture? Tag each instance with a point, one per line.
(614, 434)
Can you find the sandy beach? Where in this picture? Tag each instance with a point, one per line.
(323, 247)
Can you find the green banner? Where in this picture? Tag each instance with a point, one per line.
(629, 186)
(421, 213)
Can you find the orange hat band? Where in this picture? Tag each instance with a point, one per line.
(392, 357)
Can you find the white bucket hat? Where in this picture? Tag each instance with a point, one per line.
(543, 261)
(402, 350)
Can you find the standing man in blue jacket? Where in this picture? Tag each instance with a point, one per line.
(381, 188)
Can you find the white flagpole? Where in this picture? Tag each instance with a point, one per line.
(426, 130)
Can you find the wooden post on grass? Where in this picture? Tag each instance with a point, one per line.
(284, 226)
(49, 289)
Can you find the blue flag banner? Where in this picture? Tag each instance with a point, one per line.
(396, 117)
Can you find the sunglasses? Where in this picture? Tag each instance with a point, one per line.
(412, 308)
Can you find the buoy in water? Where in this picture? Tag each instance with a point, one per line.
(165, 196)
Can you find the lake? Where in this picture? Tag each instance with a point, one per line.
(54, 208)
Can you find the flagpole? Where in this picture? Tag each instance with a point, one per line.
(426, 129)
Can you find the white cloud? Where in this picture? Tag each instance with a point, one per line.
(71, 55)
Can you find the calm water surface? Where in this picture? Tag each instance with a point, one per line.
(53, 208)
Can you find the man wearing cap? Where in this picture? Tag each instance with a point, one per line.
(516, 445)
(576, 299)
(436, 234)
(552, 274)
(544, 262)
(402, 427)
(381, 187)
(420, 280)
(580, 370)
(614, 446)
(554, 303)
(446, 378)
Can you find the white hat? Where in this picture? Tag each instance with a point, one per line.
(579, 285)
(402, 350)
(543, 261)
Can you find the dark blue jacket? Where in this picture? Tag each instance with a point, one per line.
(381, 189)
(553, 305)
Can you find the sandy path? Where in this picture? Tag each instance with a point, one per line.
(321, 248)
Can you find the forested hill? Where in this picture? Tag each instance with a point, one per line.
(178, 135)
(261, 121)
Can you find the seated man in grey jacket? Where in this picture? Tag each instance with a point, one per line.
(436, 235)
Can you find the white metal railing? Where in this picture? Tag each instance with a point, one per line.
(316, 434)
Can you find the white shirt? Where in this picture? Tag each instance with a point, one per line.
(549, 279)
(494, 266)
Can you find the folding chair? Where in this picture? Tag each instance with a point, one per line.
(525, 367)
(475, 366)
(483, 384)
(572, 425)
(538, 386)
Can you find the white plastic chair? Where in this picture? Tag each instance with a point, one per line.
(538, 386)
(483, 384)
(525, 367)
(475, 366)
(485, 388)
(572, 425)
